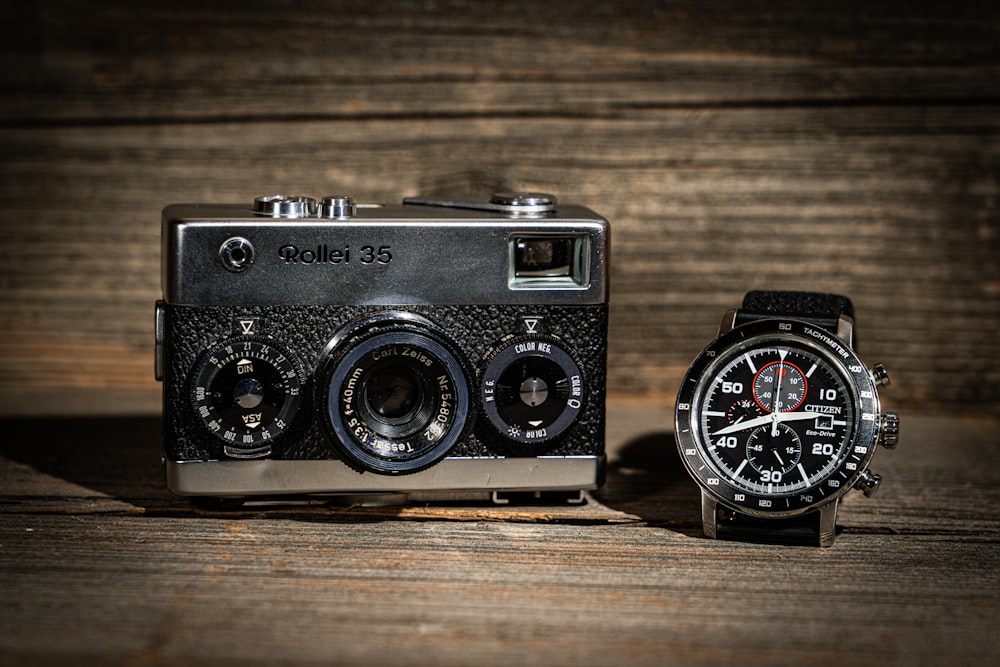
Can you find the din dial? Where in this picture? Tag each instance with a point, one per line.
(246, 392)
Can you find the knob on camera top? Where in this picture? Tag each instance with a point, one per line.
(343, 206)
(288, 206)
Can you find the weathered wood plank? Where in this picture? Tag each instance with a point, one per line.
(894, 207)
(105, 61)
(912, 580)
(214, 591)
(114, 464)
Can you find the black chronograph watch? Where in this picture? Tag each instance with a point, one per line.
(778, 417)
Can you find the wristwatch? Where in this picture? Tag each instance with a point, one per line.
(778, 418)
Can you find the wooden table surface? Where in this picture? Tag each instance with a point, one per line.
(100, 564)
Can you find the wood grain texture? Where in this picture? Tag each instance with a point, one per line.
(853, 148)
(99, 564)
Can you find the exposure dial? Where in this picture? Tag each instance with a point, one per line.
(246, 392)
(531, 388)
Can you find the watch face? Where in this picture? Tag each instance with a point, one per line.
(776, 417)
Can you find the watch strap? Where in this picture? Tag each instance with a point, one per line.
(817, 307)
(801, 530)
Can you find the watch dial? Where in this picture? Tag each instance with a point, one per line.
(771, 422)
(802, 425)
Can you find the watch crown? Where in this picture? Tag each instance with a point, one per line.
(880, 376)
(889, 430)
(868, 483)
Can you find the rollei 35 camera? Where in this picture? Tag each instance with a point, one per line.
(434, 348)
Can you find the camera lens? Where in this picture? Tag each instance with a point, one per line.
(392, 393)
(394, 403)
(397, 393)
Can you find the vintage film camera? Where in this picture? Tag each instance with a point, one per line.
(437, 348)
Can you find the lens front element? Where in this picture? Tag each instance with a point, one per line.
(397, 398)
(394, 396)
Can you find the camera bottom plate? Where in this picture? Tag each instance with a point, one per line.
(457, 475)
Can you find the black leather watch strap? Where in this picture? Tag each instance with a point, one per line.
(801, 530)
(816, 307)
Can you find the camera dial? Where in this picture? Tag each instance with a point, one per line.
(246, 392)
(532, 388)
(396, 393)
(284, 206)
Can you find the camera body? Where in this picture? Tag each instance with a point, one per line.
(434, 348)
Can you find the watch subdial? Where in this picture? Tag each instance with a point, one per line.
(780, 386)
(773, 452)
(743, 410)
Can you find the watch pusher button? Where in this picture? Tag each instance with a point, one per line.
(868, 483)
(879, 375)
(888, 434)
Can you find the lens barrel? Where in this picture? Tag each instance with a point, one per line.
(397, 394)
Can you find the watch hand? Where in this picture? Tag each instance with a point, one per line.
(779, 372)
(750, 423)
(777, 397)
(795, 416)
(772, 418)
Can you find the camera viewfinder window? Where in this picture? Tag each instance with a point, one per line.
(550, 262)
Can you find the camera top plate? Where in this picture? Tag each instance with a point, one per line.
(516, 248)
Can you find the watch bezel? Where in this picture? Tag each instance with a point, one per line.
(687, 425)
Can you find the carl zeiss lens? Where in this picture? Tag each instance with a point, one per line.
(397, 396)
(394, 401)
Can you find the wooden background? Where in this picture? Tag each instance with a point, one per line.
(734, 145)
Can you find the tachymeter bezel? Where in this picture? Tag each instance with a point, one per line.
(763, 333)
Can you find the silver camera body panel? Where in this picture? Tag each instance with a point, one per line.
(310, 348)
